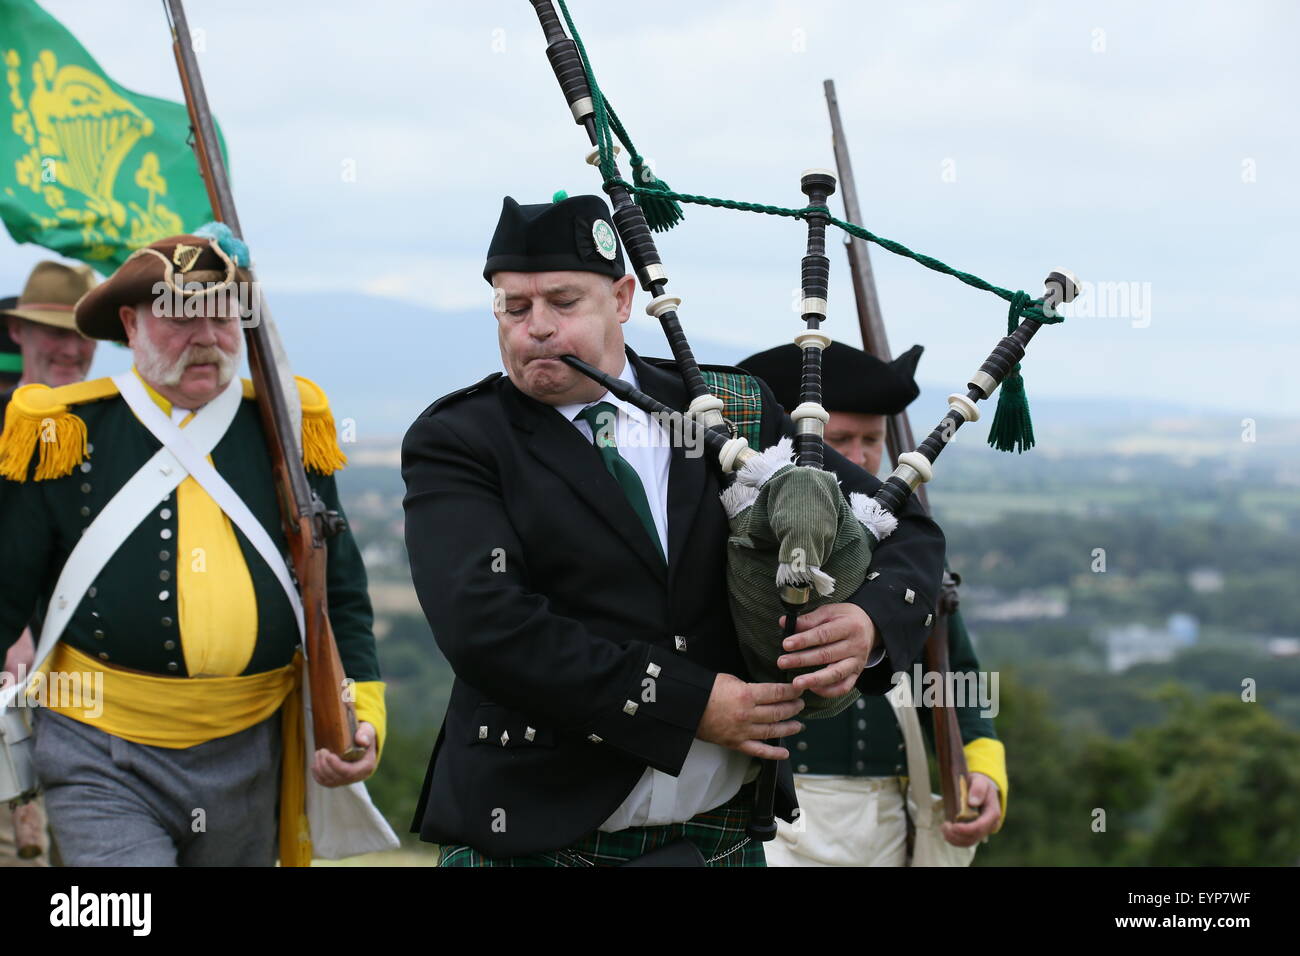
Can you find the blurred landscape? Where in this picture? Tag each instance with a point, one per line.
(1133, 579)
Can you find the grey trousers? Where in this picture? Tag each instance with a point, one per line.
(115, 803)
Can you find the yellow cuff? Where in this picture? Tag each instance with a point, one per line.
(371, 709)
(987, 756)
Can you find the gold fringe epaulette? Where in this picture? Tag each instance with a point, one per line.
(320, 445)
(41, 417)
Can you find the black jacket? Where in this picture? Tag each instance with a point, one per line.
(553, 606)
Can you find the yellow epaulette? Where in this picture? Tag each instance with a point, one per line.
(320, 445)
(41, 416)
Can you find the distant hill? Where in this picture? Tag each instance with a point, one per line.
(383, 361)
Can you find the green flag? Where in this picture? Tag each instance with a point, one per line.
(88, 168)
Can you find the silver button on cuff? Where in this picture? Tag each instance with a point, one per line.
(680, 643)
(505, 737)
(909, 596)
(594, 738)
(482, 732)
(929, 619)
(629, 707)
(529, 734)
(652, 669)
(871, 576)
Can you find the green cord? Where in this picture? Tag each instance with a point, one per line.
(1011, 427)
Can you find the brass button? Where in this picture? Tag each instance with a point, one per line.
(84, 511)
(166, 622)
(85, 466)
(164, 555)
(802, 768)
(862, 725)
(103, 655)
(169, 645)
(173, 666)
(99, 635)
(862, 704)
(164, 575)
(85, 487)
(801, 745)
(862, 745)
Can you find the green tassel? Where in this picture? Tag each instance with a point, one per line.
(661, 213)
(1012, 425)
(559, 196)
(1012, 428)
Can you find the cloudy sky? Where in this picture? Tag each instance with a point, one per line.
(1146, 147)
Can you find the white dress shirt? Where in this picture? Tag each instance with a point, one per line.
(711, 774)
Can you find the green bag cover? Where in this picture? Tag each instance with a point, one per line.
(801, 531)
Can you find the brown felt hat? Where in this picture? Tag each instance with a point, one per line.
(51, 292)
(185, 265)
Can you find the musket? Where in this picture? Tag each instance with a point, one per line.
(307, 523)
(912, 469)
(953, 774)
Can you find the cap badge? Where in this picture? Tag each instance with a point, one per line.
(603, 235)
(184, 257)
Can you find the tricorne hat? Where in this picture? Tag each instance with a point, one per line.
(187, 266)
(51, 292)
(852, 380)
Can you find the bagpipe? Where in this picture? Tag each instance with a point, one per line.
(796, 543)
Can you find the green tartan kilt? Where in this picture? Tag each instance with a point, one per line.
(719, 834)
